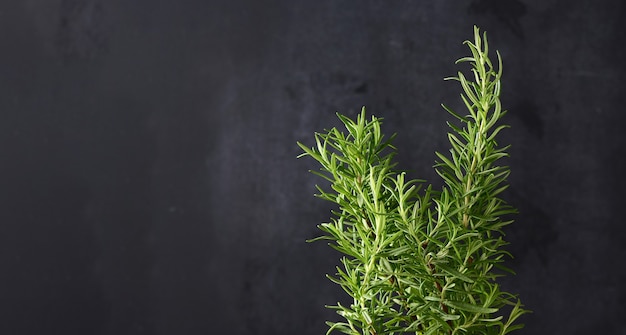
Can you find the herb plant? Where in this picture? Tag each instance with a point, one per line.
(415, 259)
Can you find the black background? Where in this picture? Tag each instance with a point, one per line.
(149, 183)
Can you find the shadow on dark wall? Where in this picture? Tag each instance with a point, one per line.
(508, 12)
(534, 231)
(48, 256)
(76, 227)
(80, 33)
(529, 114)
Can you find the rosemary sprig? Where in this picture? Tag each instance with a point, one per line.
(416, 260)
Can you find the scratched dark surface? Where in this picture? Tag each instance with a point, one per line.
(148, 176)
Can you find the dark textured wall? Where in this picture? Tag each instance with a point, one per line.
(148, 176)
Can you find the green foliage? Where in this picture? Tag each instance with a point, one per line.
(417, 260)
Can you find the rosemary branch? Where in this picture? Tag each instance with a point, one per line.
(416, 260)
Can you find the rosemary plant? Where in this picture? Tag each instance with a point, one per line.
(418, 260)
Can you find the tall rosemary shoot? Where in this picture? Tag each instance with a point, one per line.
(418, 260)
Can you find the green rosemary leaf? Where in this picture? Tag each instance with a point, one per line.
(454, 273)
(451, 112)
(463, 306)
